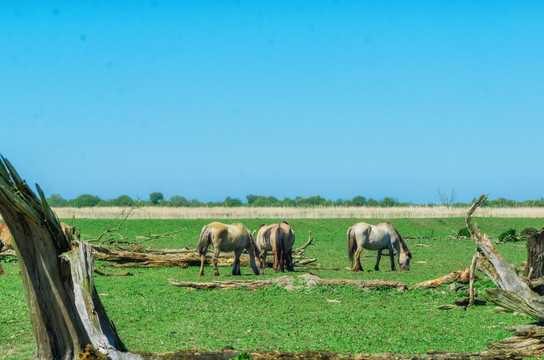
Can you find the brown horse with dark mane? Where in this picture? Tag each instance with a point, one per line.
(278, 238)
(226, 238)
(377, 237)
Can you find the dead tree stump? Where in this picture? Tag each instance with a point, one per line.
(66, 314)
(534, 272)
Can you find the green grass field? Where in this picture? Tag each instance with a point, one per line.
(150, 314)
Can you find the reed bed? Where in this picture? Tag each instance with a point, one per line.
(293, 212)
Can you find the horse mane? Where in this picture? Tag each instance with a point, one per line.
(253, 244)
(403, 246)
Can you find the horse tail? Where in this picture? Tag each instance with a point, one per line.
(205, 240)
(352, 244)
(280, 247)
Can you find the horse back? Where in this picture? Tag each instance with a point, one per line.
(372, 237)
(288, 235)
(263, 237)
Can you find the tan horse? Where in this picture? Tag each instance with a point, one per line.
(6, 241)
(377, 237)
(226, 238)
(278, 238)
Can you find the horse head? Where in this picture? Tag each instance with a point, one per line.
(404, 260)
(259, 259)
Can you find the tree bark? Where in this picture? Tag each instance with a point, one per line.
(535, 261)
(65, 311)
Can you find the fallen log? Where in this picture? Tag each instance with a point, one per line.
(490, 354)
(290, 283)
(127, 259)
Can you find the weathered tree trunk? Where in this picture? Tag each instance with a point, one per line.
(513, 292)
(497, 268)
(535, 261)
(65, 311)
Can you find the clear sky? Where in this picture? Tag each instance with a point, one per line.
(208, 99)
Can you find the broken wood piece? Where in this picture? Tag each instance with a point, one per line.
(301, 249)
(465, 301)
(101, 273)
(533, 307)
(443, 280)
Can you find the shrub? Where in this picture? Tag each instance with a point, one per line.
(508, 235)
(463, 233)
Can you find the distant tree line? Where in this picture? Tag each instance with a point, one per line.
(157, 199)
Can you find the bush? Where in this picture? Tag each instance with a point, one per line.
(463, 233)
(508, 235)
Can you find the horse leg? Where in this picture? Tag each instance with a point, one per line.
(264, 261)
(289, 261)
(236, 264)
(281, 257)
(358, 266)
(202, 260)
(377, 266)
(392, 257)
(215, 258)
(276, 260)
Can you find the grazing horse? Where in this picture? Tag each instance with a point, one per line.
(377, 237)
(226, 238)
(278, 238)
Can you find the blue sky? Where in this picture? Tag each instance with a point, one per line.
(208, 99)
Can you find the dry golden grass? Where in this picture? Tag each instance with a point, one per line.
(286, 213)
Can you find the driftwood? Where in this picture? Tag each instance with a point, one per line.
(290, 283)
